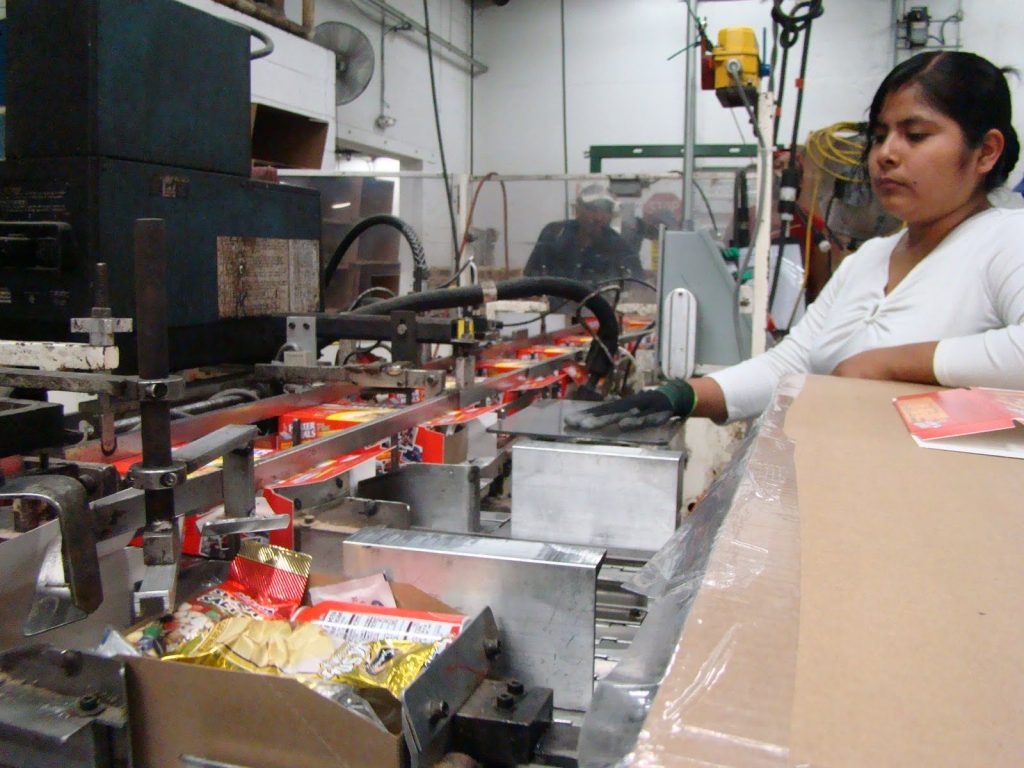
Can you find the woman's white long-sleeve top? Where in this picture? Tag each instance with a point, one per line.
(967, 294)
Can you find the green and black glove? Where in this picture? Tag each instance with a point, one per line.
(650, 408)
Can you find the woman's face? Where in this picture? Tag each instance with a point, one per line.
(921, 167)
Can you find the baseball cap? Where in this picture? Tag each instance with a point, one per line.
(596, 197)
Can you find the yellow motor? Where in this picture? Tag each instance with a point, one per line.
(736, 44)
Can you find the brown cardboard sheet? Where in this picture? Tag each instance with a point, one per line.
(882, 622)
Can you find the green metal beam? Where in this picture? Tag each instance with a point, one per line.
(600, 152)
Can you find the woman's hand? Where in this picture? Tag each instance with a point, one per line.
(907, 362)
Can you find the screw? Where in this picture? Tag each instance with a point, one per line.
(401, 329)
(431, 379)
(492, 647)
(305, 326)
(505, 701)
(168, 479)
(71, 662)
(437, 710)
(291, 326)
(89, 704)
(515, 687)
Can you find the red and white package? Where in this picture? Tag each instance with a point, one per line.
(354, 622)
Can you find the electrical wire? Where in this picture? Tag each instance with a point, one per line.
(601, 287)
(787, 28)
(467, 264)
(263, 37)
(365, 351)
(440, 140)
(842, 145)
(739, 130)
(707, 204)
(472, 209)
(370, 292)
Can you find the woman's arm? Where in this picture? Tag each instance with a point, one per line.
(906, 362)
(710, 399)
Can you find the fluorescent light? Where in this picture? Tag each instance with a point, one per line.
(338, 206)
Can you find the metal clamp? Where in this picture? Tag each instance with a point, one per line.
(69, 586)
(101, 330)
(157, 478)
(169, 388)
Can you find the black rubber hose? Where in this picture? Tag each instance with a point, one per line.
(473, 295)
(419, 258)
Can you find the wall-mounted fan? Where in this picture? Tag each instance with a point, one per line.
(353, 56)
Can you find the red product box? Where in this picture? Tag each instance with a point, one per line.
(319, 420)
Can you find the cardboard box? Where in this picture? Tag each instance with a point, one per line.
(259, 721)
(861, 603)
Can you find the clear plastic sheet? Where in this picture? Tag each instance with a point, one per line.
(744, 534)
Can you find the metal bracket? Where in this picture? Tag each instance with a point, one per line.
(404, 346)
(157, 478)
(378, 376)
(442, 497)
(168, 388)
(63, 708)
(429, 703)
(69, 586)
(300, 334)
(101, 330)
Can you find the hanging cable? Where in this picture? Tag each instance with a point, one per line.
(791, 25)
(440, 140)
(419, 272)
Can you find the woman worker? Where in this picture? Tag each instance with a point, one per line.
(940, 302)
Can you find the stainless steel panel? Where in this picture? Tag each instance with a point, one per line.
(546, 419)
(601, 495)
(543, 596)
(442, 497)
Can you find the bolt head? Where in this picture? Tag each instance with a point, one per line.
(168, 479)
(492, 647)
(71, 662)
(89, 703)
(437, 710)
(505, 701)
(515, 687)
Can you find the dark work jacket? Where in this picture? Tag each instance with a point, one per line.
(558, 253)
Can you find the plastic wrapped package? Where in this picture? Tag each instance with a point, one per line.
(748, 521)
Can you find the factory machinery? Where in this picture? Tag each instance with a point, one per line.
(141, 266)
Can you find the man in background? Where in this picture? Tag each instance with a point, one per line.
(585, 248)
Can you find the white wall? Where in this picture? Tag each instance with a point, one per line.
(621, 89)
(413, 138)
(993, 28)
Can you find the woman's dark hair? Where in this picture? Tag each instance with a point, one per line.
(965, 87)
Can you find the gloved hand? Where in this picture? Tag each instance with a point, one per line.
(650, 408)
